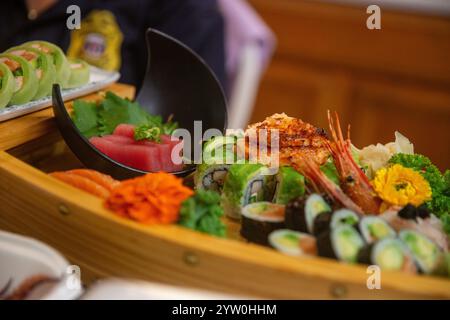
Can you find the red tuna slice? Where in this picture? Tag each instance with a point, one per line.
(126, 130)
(142, 157)
(165, 152)
(119, 139)
(174, 147)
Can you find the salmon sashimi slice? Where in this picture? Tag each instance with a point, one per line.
(104, 180)
(82, 183)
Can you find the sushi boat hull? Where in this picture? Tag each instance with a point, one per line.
(102, 244)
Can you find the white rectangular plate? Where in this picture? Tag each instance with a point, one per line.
(98, 80)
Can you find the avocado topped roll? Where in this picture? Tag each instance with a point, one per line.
(374, 228)
(245, 183)
(7, 85)
(389, 254)
(428, 256)
(43, 65)
(210, 177)
(79, 73)
(26, 82)
(59, 59)
(289, 185)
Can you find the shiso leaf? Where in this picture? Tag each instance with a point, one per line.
(84, 116)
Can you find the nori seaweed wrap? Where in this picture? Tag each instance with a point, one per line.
(245, 183)
(44, 68)
(7, 85)
(59, 59)
(389, 254)
(259, 219)
(289, 185)
(79, 73)
(341, 243)
(26, 82)
(302, 211)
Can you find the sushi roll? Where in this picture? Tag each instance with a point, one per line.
(7, 85)
(293, 243)
(259, 219)
(219, 150)
(344, 217)
(79, 73)
(59, 59)
(374, 228)
(301, 212)
(245, 183)
(26, 82)
(210, 177)
(428, 256)
(389, 254)
(322, 223)
(43, 65)
(289, 185)
(341, 243)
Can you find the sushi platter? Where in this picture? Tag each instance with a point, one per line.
(248, 250)
(282, 209)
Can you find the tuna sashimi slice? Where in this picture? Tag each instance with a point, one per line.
(126, 130)
(142, 157)
(119, 139)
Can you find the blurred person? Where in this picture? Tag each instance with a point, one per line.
(112, 33)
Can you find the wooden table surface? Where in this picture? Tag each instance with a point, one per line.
(15, 132)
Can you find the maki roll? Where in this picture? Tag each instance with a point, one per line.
(59, 59)
(289, 185)
(427, 254)
(301, 212)
(389, 254)
(325, 222)
(26, 82)
(245, 183)
(44, 68)
(344, 217)
(79, 73)
(293, 243)
(341, 243)
(7, 85)
(259, 219)
(210, 177)
(374, 228)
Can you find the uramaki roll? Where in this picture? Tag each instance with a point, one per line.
(43, 64)
(26, 81)
(79, 73)
(7, 85)
(59, 59)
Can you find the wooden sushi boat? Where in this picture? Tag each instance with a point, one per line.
(105, 245)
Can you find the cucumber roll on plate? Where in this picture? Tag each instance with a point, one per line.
(259, 219)
(26, 82)
(293, 243)
(245, 183)
(301, 212)
(289, 185)
(389, 254)
(59, 59)
(374, 228)
(341, 243)
(7, 85)
(79, 73)
(428, 256)
(43, 65)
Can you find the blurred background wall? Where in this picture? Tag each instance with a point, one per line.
(396, 78)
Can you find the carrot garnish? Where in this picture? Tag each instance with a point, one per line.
(150, 199)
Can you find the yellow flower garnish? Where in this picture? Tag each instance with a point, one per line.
(398, 185)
